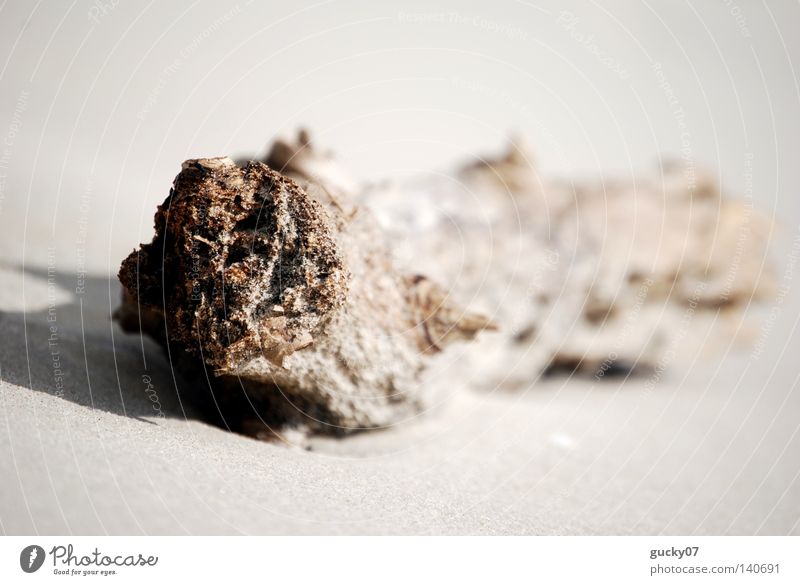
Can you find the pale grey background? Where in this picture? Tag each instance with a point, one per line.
(101, 101)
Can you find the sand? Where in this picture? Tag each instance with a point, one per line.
(710, 454)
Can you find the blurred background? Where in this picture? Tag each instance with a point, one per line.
(101, 101)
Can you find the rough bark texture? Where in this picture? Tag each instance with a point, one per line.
(287, 300)
(309, 301)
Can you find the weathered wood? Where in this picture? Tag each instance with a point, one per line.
(289, 304)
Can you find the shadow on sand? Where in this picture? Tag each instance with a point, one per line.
(75, 351)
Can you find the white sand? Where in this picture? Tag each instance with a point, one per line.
(709, 455)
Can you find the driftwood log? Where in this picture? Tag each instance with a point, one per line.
(301, 299)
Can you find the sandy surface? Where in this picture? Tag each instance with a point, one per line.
(705, 455)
